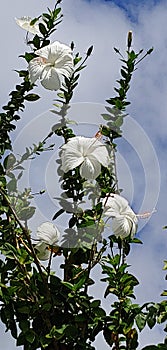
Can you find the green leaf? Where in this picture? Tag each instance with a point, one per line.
(80, 318)
(141, 321)
(107, 116)
(36, 41)
(95, 303)
(68, 285)
(26, 213)
(30, 336)
(24, 309)
(108, 336)
(58, 213)
(9, 161)
(81, 282)
(119, 121)
(116, 260)
(56, 333)
(123, 73)
(136, 240)
(42, 29)
(32, 97)
(21, 339)
(151, 321)
(165, 265)
(164, 293)
(24, 325)
(71, 332)
(12, 185)
(56, 12)
(28, 56)
(100, 312)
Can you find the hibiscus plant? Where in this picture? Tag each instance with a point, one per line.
(41, 309)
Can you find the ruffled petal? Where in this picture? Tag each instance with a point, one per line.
(44, 51)
(121, 226)
(78, 150)
(71, 155)
(70, 162)
(24, 23)
(50, 79)
(101, 154)
(89, 144)
(35, 69)
(90, 169)
(54, 51)
(124, 220)
(115, 205)
(48, 233)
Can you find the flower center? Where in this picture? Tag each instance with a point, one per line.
(41, 60)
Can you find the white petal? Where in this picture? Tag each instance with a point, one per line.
(124, 226)
(115, 205)
(35, 69)
(42, 251)
(44, 52)
(101, 154)
(92, 143)
(70, 161)
(64, 65)
(74, 144)
(53, 51)
(90, 169)
(24, 23)
(56, 46)
(93, 147)
(48, 233)
(50, 78)
(66, 70)
(89, 144)
(121, 226)
(71, 155)
(78, 150)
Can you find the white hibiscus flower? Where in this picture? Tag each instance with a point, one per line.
(25, 23)
(89, 153)
(48, 235)
(124, 220)
(54, 62)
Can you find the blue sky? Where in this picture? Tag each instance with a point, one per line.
(130, 7)
(141, 152)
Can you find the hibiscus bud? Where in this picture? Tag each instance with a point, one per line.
(150, 51)
(72, 46)
(129, 40)
(89, 51)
